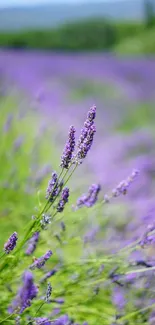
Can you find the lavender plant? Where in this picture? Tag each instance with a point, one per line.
(85, 287)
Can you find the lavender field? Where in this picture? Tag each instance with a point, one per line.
(102, 266)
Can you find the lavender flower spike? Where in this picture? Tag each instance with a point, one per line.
(63, 200)
(26, 293)
(124, 185)
(148, 238)
(11, 243)
(42, 321)
(69, 149)
(40, 262)
(86, 144)
(48, 292)
(91, 114)
(87, 124)
(52, 189)
(48, 275)
(32, 243)
(89, 199)
(62, 320)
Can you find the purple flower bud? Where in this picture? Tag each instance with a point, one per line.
(63, 200)
(48, 292)
(32, 243)
(119, 298)
(11, 243)
(123, 186)
(48, 275)
(85, 146)
(58, 301)
(62, 320)
(89, 199)
(87, 134)
(42, 321)
(52, 189)
(40, 262)
(69, 149)
(26, 293)
(148, 238)
(91, 114)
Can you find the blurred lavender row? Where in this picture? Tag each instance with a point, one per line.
(62, 86)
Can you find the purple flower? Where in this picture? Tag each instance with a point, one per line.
(11, 243)
(42, 321)
(89, 199)
(48, 292)
(69, 149)
(148, 238)
(119, 298)
(26, 293)
(62, 320)
(63, 200)
(40, 262)
(87, 135)
(85, 146)
(91, 114)
(52, 189)
(123, 186)
(87, 124)
(48, 275)
(32, 243)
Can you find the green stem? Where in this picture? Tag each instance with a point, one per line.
(64, 184)
(3, 254)
(137, 312)
(6, 318)
(40, 308)
(48, 202)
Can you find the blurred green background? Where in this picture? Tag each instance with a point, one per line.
(122, 26)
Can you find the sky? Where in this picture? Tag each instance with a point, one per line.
(11, 3)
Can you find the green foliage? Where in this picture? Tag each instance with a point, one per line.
(143, 44)
(79, 275)
(93, 34)
(87, 35)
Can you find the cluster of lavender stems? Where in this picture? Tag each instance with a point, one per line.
(55, 186)
(69, 157)
(25, 295)
(57, 191)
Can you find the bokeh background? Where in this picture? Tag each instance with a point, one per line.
(56, 60)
